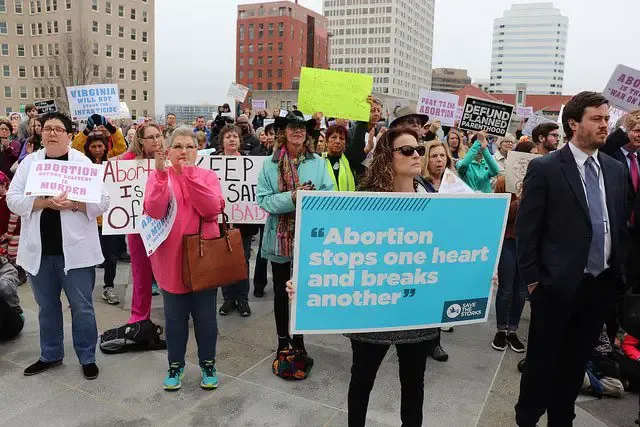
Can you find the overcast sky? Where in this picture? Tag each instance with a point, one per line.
(195, 43)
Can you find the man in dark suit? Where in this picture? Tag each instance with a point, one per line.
(571, 236)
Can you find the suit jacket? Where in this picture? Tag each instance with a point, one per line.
(553, 226)
(615, 141)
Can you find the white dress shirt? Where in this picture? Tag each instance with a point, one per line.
(580, 158)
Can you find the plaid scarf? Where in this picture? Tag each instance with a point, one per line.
(287, 181)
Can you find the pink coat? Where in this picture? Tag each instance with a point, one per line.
(197, 193)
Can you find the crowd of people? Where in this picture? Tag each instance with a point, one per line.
(570, 245)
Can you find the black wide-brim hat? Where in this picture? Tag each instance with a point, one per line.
(295, 117)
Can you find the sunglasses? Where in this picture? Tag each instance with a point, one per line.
(408, 150)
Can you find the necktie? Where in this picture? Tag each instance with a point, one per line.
(635, 179)
(595, 262)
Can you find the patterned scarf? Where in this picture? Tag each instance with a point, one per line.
(287, 181)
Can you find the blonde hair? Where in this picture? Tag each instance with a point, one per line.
(632, 120)
(425, 160)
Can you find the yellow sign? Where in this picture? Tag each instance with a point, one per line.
(335, 93)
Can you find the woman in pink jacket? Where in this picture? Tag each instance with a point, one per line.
(197, 195)
(148, 141)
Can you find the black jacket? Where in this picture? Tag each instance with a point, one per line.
(249, 142)
(553, 226)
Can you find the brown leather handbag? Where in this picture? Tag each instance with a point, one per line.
(212, 263)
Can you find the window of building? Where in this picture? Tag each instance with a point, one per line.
(52, 5)
(260, 31)
(3, 27)
(134, 75)
(279, 85)
(134, 55)
(121, 11)
(67, 4)
(4, 49)
(109, 73)
(134, 114)
(17, 6)
(281, 29)
(22, 71)
(36, 92)
(108, 51)
(107, 29)
(251, 32)
(145, 37)
(68, 25)
(96, 70)
(133, 14)
(35, 6)
(134, 95)
(121, 52)
(270, 47)
(250, 48)
(21, 50)
(94, 5)
(145, 96)
(23, 92)
(50, 49)
(241, 49)
(145, 76)
(145, 18)
(241, 62)
(269, 86)
(96, 49)
(271, 30)
(20, 29)
(145, 56)
(260, 60)
(241, 74)
(133, 34)
(270, 60)
(121, 75)
(121, 31)
(41, 50)
(95, 26)
(280, 73)
(107, 8)
(280, 47)
(7, 91)
(280, 60)
(6, 71)
(250, 74)
(121, 94)
(251, 61)
(269, 74)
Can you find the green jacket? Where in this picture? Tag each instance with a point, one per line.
(312, 168)
(476, 174)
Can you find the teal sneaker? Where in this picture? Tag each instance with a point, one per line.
(209, 376)
(173, 380)
(155, 289)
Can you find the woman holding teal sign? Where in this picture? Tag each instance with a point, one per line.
(394, 167)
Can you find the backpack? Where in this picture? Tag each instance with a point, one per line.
(138, 336)
(292, 364)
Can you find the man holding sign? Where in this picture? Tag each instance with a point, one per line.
(60, 249)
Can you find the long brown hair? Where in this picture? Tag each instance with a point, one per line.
(136, 145)
(281, 141)
(379, 176)
(462, 149)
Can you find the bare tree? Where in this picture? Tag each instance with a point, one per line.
(73, 65)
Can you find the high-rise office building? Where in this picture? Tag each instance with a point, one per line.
(188, 113)
(449, 79)
(46, 45)
(529, 46)
(391, 40)
(274, 40)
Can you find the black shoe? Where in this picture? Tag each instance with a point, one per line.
(40, 366)
(522, 365)
(283, 344)
(297, 343)
(227, 307)
(90, 371)
(515, 343)
(258, 292)
(439, 354)
(243, 308)
(125, 257)
(500, 341)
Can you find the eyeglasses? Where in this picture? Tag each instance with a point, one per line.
(54, 129)
(154, 137)
(408, 150)
(183, 148)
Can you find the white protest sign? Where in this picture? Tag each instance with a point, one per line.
(453, 184)
(238, 92)
(459, 110)
(623, 89)
(438, 106)
(81, 181)
(524, 111)
(283, 113)
(482, 115)
(268, 122)
(516, 169)
(155, 231)
(532, 122)
(614, 115)
(84, 101)
(259, 104)
(125, 113)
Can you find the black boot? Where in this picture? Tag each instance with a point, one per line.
(283, 343)
(297, 342)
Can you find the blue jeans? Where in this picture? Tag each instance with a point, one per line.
(512, 292)
(202, 308)
(78, 285)
(240, 291)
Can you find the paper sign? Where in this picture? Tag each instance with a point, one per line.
(459, 111)
(488, 116)
(335, 93)
(532, 122)
(84, 101)
(81, 181)
(44, 107)
(268, 122)
(238, 92)
(516, 169)
(438, 106)
(155, 231)
(623, 89)
(259, 104)
(452, 184)
(124, 112)
(371, 276)
(283, 113)
(614, 115)
(524, 111)
(125, 181)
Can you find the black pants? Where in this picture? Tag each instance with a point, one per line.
(121, 247)
(281, 274)
(110, 250)
(630, 370)
(366, 361)
(260, 272)
(240, 291)
(633, 255)
(562, 335)
(11, 322)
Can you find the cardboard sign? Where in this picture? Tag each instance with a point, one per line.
(238, 92)
(438, 106)
(532, 122)
(81, 181)
(372, 276)
(482, 115)
(44, 107)
(155, 231)
(453, 184)
(335, 93)
(614, 115)
(125, 113)
(524, 111)
(259, 104)
(516, 169)
(623, 89)
(84, 101)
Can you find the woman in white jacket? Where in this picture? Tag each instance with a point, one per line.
(59, 250)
